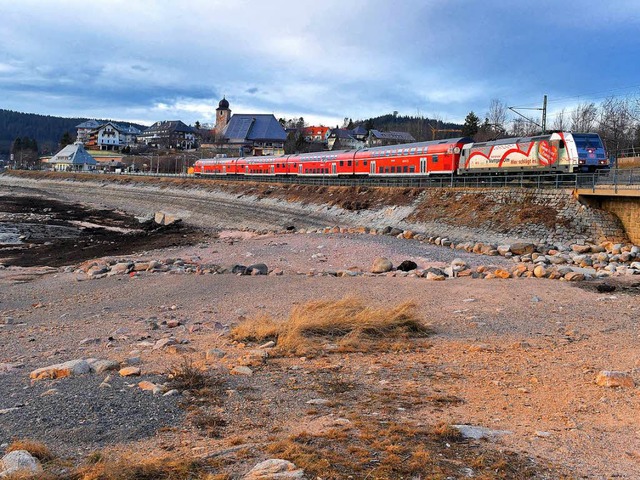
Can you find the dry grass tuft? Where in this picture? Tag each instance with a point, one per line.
(155, 468)
(259, 329)
(187, 376)
(37, 449)
(348, 323)
(446, 432)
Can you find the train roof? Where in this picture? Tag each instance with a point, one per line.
(430, 143)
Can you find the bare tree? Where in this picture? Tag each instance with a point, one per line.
(583, 118)
(497, 117)
(524, 128)
(616, 126)
(560, 122)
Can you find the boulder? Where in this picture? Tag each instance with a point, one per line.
(522, 248)
(100, 366)
(502, 273)
(20, 462)
(275, 469)
(539, 271)
(609, 378)
(239, 269)
(129, 371)
(574, 277)
(581, 248)
(381, 265)
(257, 269)
(61, 370)
(407, 266)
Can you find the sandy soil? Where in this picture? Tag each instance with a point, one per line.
(517, 355)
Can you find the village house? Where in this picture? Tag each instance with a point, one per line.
(73, 158)
(169, 134)
(112, 136)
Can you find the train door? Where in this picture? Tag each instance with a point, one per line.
(224, 169)
(423, 165)
(246, 169)
(273, 169)
(334, 168)
(372, 167)
(300, 169)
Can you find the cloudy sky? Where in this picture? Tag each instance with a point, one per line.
(324, 60)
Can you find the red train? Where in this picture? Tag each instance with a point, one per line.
(555, 152)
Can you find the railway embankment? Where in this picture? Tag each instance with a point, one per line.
(496, 215)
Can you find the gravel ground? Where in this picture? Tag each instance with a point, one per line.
(81, 416)
(519, 355)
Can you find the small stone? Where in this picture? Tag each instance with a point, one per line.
(502, 273)
(129, 371)
(574, 277)
(149, 387)
(100, 366)
(609, 378)
(241, 370)
(164, 342)
(407, 266)
(318, 401)
(214, 353)
(477, 433)
(539, 271)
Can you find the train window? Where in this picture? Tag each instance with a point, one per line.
(405, 169)
(561, 144)
(435, 158)
(342, 163)
(413, 150)
(364, 162)
(294, 165)
(392, 170)
(412, 169)
(381, 170)
(349, 163)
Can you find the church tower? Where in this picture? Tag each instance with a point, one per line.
(223, 114)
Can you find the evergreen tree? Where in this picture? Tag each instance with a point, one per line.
(66, 140)
(471, 125)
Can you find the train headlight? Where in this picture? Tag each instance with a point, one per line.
(582, 162)
(456, 150)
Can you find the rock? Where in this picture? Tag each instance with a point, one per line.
(120, 268)
(574, 277)
(502, 273)
(214, 353)
(241, 370)
(318, 401)
(504, 249)
(21, 462)
(179, 349)
(61, 370)
(605, 288)
(539, 271)
(149, 387)
(274, 469)
(477, 433)
(458, 265)
(164, 342)
(521, 248)
(254, 358)
(238, 269)
(581, 248)
(381, 265)
(165, 218)
(435, 276)
(269, 344)
(609, 378)
(257, 269)
(100, 366)
(407, 266)
(129, 371)
(90, 341)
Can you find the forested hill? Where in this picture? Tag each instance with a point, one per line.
(45, 129)
(421, 128)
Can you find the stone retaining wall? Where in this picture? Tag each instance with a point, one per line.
(628, 211)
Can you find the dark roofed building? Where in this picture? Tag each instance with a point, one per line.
(169, 134)
(73, 158)
(376, 137)
(342, 138)
(256, 134)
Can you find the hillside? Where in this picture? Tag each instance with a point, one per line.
(45, 129)
(422, 128)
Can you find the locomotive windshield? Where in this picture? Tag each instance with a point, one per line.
(587, 141)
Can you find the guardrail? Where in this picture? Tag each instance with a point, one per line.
(614, 179)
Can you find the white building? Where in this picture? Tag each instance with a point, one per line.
(73, 158)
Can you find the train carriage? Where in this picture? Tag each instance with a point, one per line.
(331, 163)
(422, 158)
(214, 166)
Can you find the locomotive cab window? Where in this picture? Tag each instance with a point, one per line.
(434, 158)
(364, 163)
